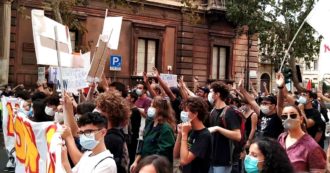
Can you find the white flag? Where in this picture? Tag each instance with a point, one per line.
(111, 28)
(324, 58)
(44, 40)
(318, 18)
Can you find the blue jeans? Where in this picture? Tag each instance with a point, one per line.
(220, 169)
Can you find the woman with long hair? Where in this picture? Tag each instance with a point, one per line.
(303, 151)
(266, 155)
(158, 135)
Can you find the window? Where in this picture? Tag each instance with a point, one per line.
(146, 55)
(219, 61)
(73, 40)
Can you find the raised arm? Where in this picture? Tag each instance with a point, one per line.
(145, 80)
(280, 95)
(69, 119)
(91, 92)
(164, 85)
(254, 92)
(265, 88)
(196, 83)
(249, 98)
(182, 90)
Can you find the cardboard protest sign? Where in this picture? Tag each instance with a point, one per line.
(98, 62)
(38, 146)
(44, 40)
(170, 79)
(111, 28)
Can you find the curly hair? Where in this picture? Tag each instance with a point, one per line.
(276, 159)
(222, 88)
(197, 105)
(115, 107)
(164, 110)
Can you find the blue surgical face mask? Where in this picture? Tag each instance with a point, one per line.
(89, 142)
(302, 100)
(251, 164)
(151, 112)
(184, 116)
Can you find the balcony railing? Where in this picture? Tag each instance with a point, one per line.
(216, 5)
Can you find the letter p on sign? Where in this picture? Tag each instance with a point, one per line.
(115, 62)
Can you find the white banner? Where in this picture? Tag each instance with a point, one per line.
(324, 58)
(112, 27)
(44, 40)
(170, 79)
(318, 18)
(73, 78)
(38, 146)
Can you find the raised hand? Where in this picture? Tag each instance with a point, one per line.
(145, 77)
(155, 71)
(240, 84)
(280, 80)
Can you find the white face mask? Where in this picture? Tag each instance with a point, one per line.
(184, 116)
(49, 111)
(210, 97)
(138, 92)
(265, 109)
(59, 117)
(151, 112)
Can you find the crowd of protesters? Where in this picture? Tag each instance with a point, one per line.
(153, 128)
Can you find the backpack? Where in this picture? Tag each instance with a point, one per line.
(234, 144)
(123, 161)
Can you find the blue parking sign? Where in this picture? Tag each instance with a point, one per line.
(115, 62)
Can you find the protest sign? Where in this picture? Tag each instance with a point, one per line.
(170, 79)
(38, 146)
(324, 58)
(73, 78)
(44, 40)
(111, 28)
(318, 18)
(41, 74)
(98, 62)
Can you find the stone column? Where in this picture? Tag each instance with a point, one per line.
(5, 41)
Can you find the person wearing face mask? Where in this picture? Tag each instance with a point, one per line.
(270, 124)
(314, 123)
(193, 144)
(158, 135)
(92, 129)
(223, 135)
(304, 153)
(266, 155)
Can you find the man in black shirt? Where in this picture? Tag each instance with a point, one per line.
(225, 129)
(194, 148)
(315, 125)
(270, 124)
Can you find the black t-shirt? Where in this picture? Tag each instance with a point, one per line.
(248, 126)
(114, 141)
(319, 125)
(200, 144)
(221, 146)
(269, 126)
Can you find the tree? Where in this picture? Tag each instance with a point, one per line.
(276, 23)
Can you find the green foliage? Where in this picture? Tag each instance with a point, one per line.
(276, 23)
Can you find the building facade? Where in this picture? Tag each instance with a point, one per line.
(158, 35)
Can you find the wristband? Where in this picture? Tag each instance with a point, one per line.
(280, 87)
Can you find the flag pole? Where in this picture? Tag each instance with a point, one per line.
(290, 45)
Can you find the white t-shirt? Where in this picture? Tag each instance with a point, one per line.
(96, 164)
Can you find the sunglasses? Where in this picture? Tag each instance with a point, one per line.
(292, 116)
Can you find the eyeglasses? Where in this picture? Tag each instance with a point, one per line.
(292, 116)
(88, 132)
